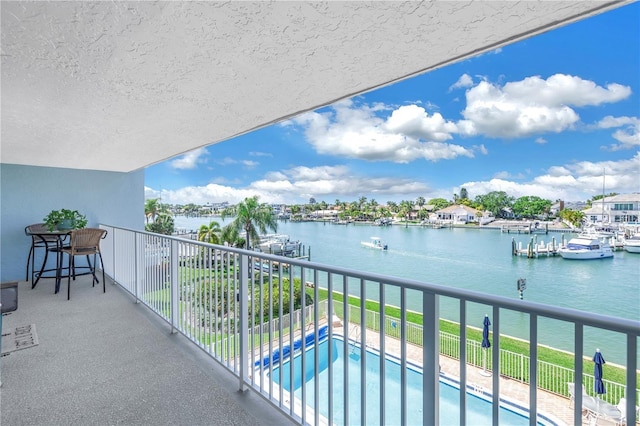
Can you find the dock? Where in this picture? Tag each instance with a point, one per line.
(525, 228)
(534, 249)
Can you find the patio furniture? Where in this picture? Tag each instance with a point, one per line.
(50, 241)
(572, 395)
(599, 409)
(622, 406)
(84, 242)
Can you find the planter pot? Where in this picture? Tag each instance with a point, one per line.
(65, 225)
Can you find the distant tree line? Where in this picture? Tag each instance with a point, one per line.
(252, 217)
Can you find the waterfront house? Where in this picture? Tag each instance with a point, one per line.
(616, 209)
(93, 92)
(458, 213)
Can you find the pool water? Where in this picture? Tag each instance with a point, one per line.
(478, 409)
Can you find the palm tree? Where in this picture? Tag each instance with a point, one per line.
(151, 209)
(361, 202)
(406, 207)
(210, 234)
(231, 236)
(252, 217)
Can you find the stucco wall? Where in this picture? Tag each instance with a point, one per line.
(28, 194)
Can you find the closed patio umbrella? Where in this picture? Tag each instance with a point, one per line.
(598, 361)
(485, 344)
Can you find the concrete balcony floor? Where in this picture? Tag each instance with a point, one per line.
(103, 359)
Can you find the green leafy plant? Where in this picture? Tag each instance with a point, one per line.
(65, 219)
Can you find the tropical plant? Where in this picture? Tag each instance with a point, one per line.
(531, 206)
(151, 209)
(406, 207)
(231, 236)
(251, 217)
(270, 299)
(162, 224)
(439, 203)
(65, 219)
(494, 202)
(572, 216)
(210, 234)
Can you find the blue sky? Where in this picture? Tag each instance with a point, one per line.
(548, 116)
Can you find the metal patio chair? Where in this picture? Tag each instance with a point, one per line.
(84, 242)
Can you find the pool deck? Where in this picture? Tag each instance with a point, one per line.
(553, 405)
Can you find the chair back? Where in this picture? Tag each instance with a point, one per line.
(35, 231)
(87, 239)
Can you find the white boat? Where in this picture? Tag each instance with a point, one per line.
(597, 232)
(277, 244)
(581, 248)
(632, 243)
(374, 243)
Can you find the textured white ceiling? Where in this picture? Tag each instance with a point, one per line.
(122, 85)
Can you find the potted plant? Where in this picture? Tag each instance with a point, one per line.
(65, 219)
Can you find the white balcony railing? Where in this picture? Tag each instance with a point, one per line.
(242, 318)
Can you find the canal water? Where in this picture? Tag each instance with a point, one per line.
(481, 260)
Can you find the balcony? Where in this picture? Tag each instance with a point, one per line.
(103, 359)
(157, 349)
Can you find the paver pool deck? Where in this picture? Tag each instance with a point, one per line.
(548, 403)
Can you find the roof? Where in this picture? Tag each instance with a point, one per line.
(458, 208)
(119, 86)
(622, 198)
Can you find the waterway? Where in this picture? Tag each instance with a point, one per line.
(481, 260)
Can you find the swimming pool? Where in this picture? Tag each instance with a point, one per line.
(478, 405)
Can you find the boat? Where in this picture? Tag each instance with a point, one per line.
(632, 243)
(278, 244)
(581, 248)
(374, 243)
(600, 232)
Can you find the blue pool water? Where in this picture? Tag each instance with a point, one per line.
(478, 409)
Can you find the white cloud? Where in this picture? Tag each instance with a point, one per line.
(260, 154)
(507, 175)
(226, 161)
(533, 105)
(211, 193)
(355, 131)
(627, 133)
(189, 160)
(570, 182)
(335, 181)
(297, 185)
(465, 80)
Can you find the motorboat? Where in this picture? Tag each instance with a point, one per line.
(278, 244)
(581, 248)
(374, 243)
(632, 243)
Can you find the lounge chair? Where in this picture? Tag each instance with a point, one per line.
(622, 406)
(572, 395)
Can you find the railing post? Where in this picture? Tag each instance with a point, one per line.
(431, 359)
(139, 266)
(244, 326)
(631, 379)
(175, 299)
